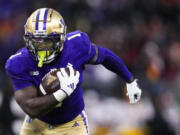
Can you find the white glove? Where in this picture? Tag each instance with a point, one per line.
(68, 83)
(133, 91)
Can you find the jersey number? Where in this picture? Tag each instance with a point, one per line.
(17, 54)
(73, 36)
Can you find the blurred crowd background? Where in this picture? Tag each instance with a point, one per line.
(145, 34)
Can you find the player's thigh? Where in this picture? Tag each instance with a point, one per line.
(78, 126)
(31, 127)
(79, 130)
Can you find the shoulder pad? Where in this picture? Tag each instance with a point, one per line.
(16, 63)
(78, 36)
(80, 40)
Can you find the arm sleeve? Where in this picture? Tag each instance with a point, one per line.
(20, 80)
(20, 83)
(112, 62)
(101, 55)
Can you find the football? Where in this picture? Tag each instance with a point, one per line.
(50, 82)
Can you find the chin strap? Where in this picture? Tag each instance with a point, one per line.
(42, 55)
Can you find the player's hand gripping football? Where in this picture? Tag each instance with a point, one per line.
(133, 91)
(68, 83)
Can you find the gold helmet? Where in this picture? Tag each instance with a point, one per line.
(45, 33)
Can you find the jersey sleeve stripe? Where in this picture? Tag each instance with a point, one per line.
(94, 59)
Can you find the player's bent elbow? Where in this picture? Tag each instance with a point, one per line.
(32, 111)
(32, 114)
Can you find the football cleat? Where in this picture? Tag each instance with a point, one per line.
(45, 33)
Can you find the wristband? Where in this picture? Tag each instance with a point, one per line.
(59, 95)
(133, 83)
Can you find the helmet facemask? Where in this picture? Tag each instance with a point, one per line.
(44, 48)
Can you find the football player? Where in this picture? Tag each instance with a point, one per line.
(48, 47)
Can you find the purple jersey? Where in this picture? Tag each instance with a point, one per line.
(24, 72)
(77, 51)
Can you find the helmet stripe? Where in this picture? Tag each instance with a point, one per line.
(41, 18)
(37, 19)
(45, 19)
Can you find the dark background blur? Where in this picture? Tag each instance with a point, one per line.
(145, 34)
